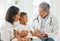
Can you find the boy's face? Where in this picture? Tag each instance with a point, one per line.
(24, 18)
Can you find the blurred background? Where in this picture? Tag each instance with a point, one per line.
(30, 7)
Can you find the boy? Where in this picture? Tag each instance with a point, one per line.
(22, 30)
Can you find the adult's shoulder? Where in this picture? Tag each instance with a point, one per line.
(54, 19)
(6, 25)
(53, 15)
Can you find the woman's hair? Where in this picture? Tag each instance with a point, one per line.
(11, 12)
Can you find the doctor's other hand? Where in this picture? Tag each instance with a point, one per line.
(23, 33)
(37, 31)
(46, 35)
(40, 35)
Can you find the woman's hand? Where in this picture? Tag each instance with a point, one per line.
(23, 33)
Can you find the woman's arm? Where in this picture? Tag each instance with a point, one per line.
(5, 35)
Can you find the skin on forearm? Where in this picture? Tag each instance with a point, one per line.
(23, 33)
(33, 34)
(16, 34)
(37, 34)
(42, 35)
(46, 35)
(28, 39)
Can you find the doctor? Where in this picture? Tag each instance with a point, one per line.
(46, 23)
(7, 31)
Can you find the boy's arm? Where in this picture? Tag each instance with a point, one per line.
(33, 34)
(16, 34)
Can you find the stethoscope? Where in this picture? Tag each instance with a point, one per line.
(50, 23)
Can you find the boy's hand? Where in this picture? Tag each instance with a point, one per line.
(23, 33)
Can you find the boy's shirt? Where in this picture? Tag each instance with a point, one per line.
(19, 27)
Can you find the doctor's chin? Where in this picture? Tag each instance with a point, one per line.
(29, 20)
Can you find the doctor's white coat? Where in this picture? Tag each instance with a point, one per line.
(51, 26)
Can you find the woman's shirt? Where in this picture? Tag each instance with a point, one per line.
(7, 31)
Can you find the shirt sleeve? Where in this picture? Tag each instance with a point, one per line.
(16, 27)
(5, 35)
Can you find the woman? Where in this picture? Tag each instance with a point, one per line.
(12, 15)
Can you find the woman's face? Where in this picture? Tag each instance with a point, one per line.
(16, 17)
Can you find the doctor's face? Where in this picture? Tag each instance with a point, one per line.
(42, 12)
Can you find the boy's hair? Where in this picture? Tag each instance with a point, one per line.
(23, 13)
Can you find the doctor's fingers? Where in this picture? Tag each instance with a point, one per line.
(25, 30)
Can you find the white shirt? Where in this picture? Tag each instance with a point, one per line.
(19, 27)
(51, 25)
(7, 31)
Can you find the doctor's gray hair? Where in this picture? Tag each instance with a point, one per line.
(45, 6)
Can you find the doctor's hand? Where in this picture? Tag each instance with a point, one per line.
(23, 33)
(46, 35)
(39, 35)
(43, 35)
(37, 31)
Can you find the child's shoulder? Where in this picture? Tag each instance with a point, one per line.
(17, 26)
(29, 26)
